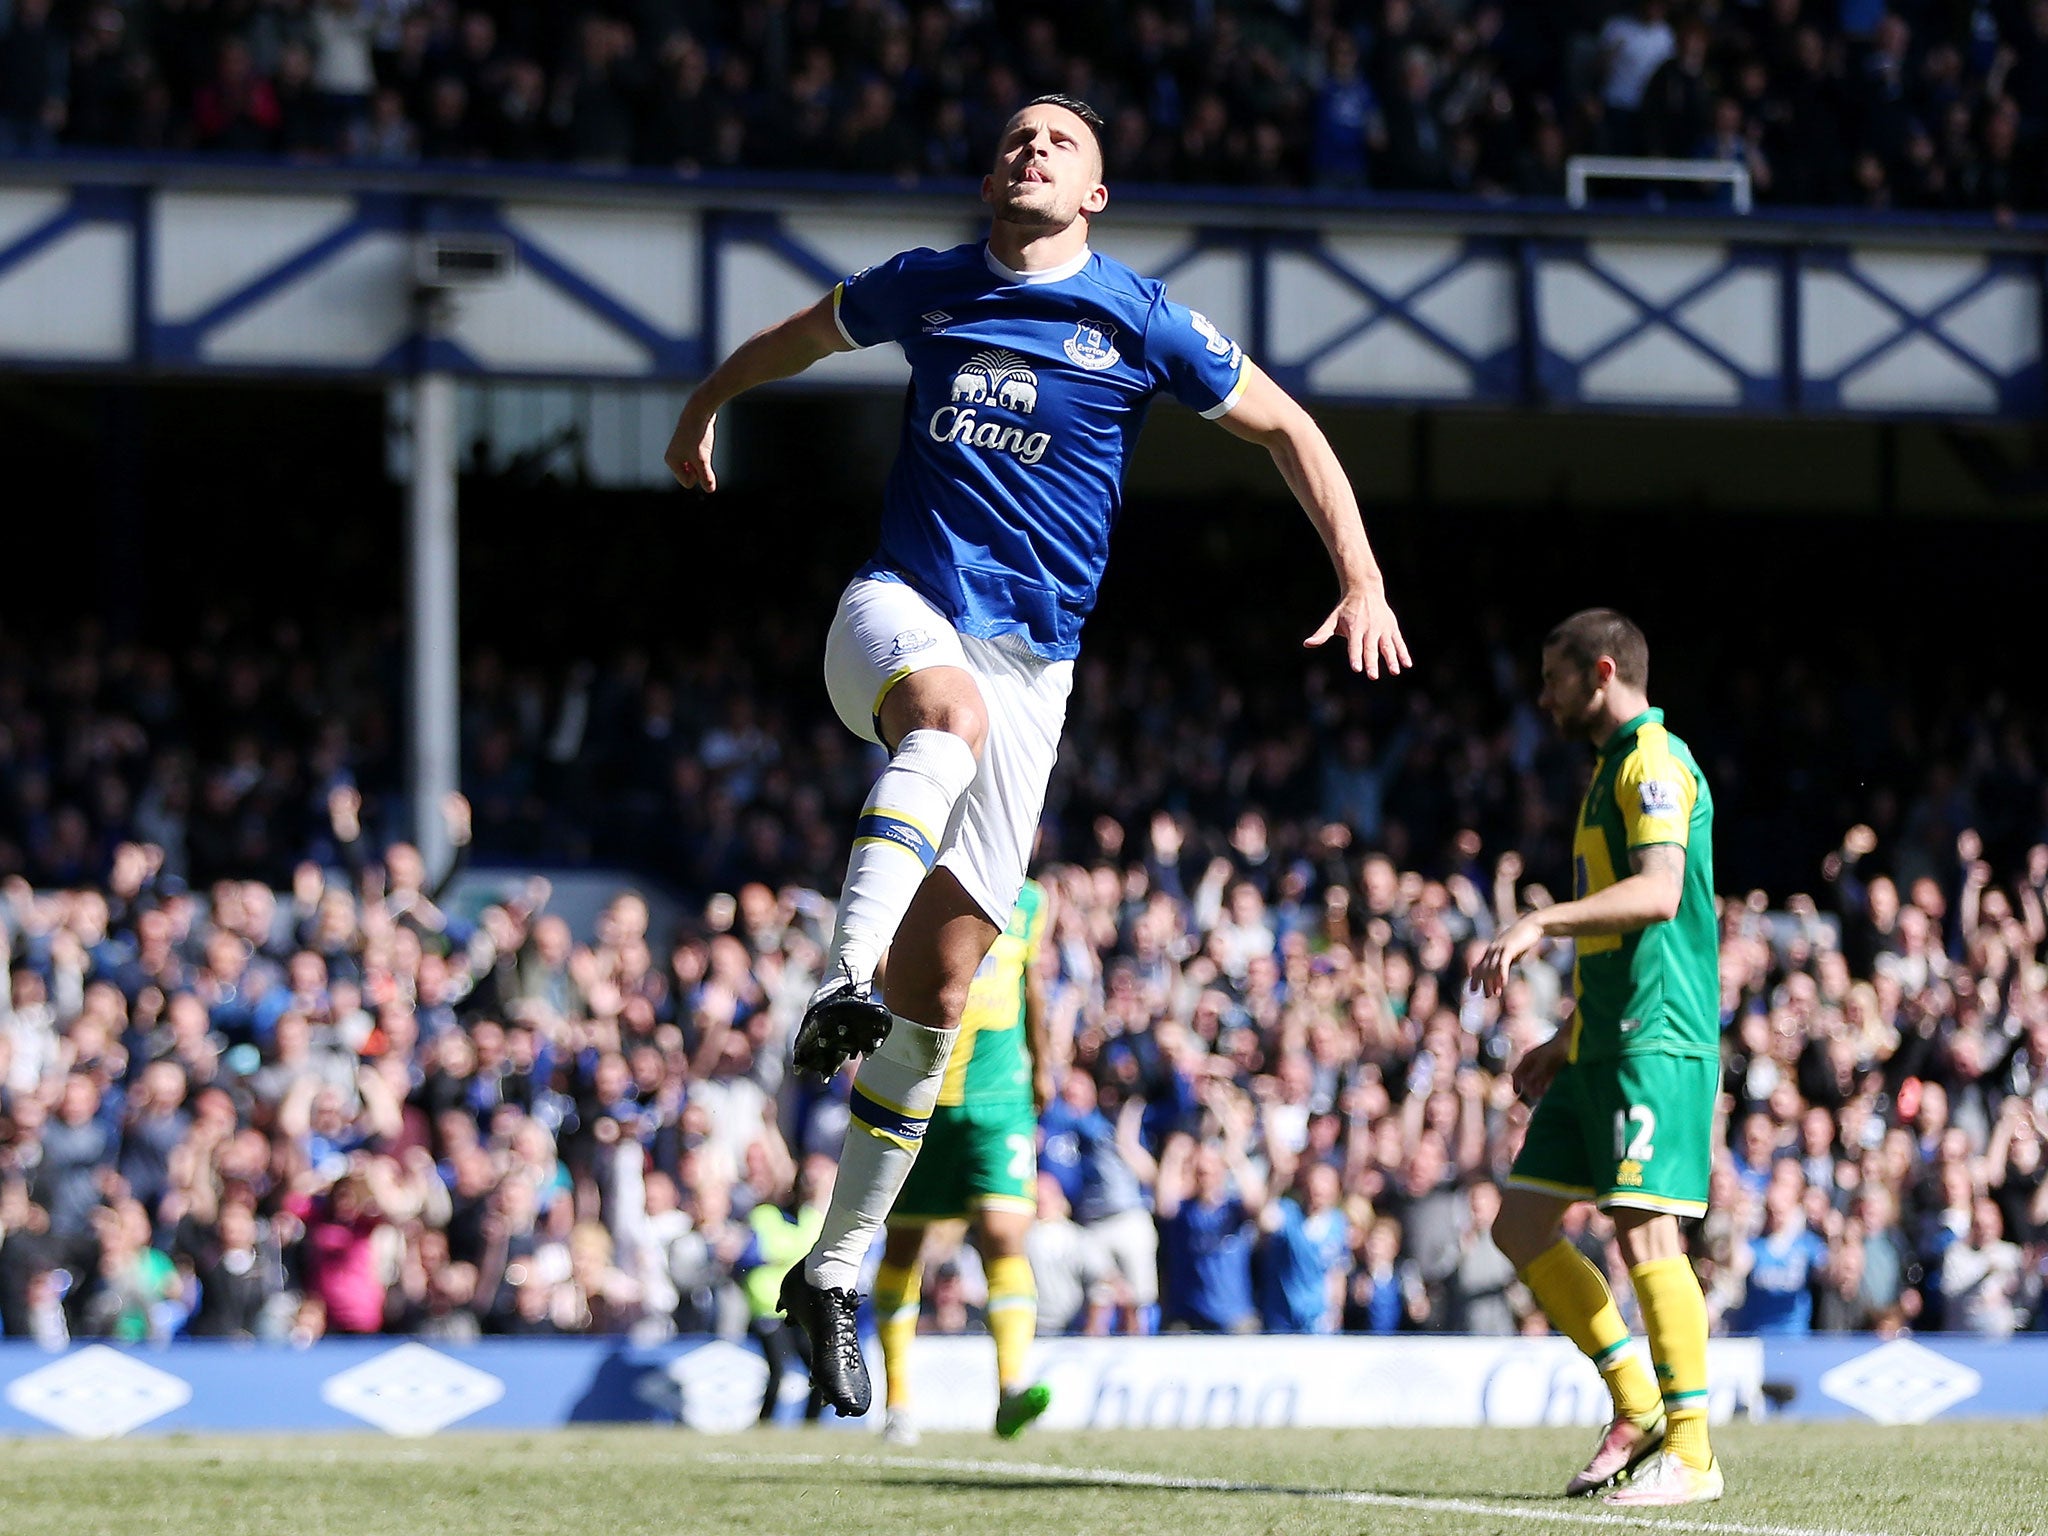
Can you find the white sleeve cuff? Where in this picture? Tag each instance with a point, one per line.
(838, 294)
(1222, 407)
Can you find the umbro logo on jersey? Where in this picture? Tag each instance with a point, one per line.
(936, 322)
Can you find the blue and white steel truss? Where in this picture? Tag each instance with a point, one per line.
(178, 270)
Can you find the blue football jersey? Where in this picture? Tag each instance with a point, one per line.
(1027, 391)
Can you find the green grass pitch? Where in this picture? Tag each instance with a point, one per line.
(1978, 1479)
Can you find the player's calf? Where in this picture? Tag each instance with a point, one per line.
(888, 1112)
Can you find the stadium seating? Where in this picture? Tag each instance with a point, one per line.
(1922, 106)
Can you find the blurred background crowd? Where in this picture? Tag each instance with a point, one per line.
(263, 1074)
(1926, 104)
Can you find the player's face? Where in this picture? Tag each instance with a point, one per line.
(1571, 693)
(1048, 171)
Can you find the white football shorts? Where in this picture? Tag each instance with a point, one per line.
(883, 632)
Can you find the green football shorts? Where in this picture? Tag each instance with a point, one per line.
(975, 1156)
(1636, 1131)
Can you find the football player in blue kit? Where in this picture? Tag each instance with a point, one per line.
(1033, 360)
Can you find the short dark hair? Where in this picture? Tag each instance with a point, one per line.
(1595, 632)
(1075, 105)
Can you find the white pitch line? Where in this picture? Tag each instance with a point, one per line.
(1117, 1477)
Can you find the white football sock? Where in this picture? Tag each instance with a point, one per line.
(895, 845)
(893, 1096)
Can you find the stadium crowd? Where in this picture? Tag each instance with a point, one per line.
(260, 1075)
(1913, 104)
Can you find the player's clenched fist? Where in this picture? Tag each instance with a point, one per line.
(689, 451)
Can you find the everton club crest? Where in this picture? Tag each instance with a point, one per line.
(1093, 345)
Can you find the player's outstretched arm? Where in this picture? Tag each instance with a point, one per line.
(1267, 415)
(781, 351)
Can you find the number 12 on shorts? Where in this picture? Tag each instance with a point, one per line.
(1634, 1144)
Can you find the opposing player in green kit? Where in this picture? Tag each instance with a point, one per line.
(1627, 1093)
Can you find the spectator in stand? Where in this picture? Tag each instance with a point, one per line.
(343, 74)
(1386, 1293)
(1418, 155)
(1486, 1297)
(1633, 47)
(301, 131)
(1307, 1254)
(32, 80)
(30, 1255)
(1431, 1210)
(597, 1296)
(135, 1293)
(347, 1234)
(1980, 1276)
(385, 134)
(1208, 1197)
(236, 111)
(1782, 1262)
(594, 98)
(1348, 130)
(1103, 1171)
(100, 105)
(2016, 1167)
(1889, 1268)
(237, 1279)
(710, 1271)
(1946, 1195)
(1677, 103)
(1078, 1282)
(1737, 140)
(73, 1150)
(783, 1233)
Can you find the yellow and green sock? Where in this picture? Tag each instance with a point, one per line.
(1675, 1318)
(1012, 1315)
(1575, 1297)
(897, 1287)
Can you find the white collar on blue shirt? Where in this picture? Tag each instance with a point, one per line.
(1060, 273)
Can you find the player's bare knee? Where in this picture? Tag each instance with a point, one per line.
(1646, 1236)
(903, 1245)
(970, 723)
(962, 717)
(1004, 1233)
(952, 1000)
(1523, 1229)
(939, 699)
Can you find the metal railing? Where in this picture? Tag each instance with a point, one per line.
(1581, 169)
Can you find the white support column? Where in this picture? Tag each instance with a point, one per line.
(434, 663)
